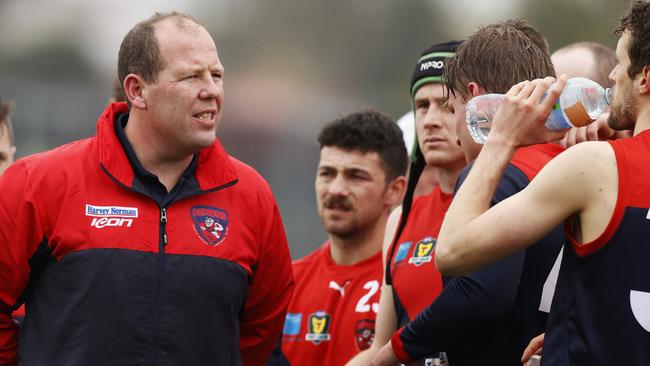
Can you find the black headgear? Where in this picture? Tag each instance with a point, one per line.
(429, 69)
(431, 64)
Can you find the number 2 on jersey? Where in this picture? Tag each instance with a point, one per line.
(362, 304)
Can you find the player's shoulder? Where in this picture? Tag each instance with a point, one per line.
(587, 157)
(579, 172)
(310, 260)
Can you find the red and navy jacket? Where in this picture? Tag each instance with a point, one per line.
(601, 310)
(332, 314)
(489, 316)
(110, 277)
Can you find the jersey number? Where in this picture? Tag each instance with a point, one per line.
(362, 304)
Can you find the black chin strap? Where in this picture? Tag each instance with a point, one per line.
(415, 172)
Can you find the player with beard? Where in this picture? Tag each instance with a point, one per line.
(601, 310)
(360, 176)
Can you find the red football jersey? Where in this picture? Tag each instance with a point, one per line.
(415, 278)
(332, 314)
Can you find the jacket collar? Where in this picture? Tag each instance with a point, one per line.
(213, 170)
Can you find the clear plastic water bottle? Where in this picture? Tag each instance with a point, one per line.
(582, 101)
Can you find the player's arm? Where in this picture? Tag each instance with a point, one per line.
(471, 235)
(386, 322)
(466, 304)
(270, 289)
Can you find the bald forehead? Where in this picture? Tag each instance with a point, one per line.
(180, 23)
(574, 62)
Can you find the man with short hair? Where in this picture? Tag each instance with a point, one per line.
(360, 176)
(589, 60)
(7, 144)
(598, 190)
(593, 61)
(101, 237)
(490, 315)
(412, 228)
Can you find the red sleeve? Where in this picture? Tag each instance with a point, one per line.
(20, 234)
(398, 348)
(269, 292)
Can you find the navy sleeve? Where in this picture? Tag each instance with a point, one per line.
(469, 306)
(512, 181)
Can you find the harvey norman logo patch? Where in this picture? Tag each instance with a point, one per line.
(110, 216)
(210, 223)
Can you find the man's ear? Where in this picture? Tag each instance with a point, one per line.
(134, 90)
(475, 90)
(644, 81)
(395, 191)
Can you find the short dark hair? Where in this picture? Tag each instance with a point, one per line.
(636, 22)
(5, 112)
(140, 53)
(499, 56)
(369, 131)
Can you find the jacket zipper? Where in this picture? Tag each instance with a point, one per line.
(162, 242)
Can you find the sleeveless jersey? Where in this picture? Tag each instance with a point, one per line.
(497, 310)
(415, 278)
(332, 314)
(601, 310)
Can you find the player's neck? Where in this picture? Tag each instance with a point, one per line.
(155, 157)
(642, 121)
(447, 177)
(351, 250)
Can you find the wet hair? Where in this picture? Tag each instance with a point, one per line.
(5, 122)
(369, 131)
(499, 56)
(636, 22)
(140, 53)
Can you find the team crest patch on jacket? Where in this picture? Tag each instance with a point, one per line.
(210, 223)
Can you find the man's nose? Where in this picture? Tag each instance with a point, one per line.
(432, 118)
(211, 88)
(338, 186)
